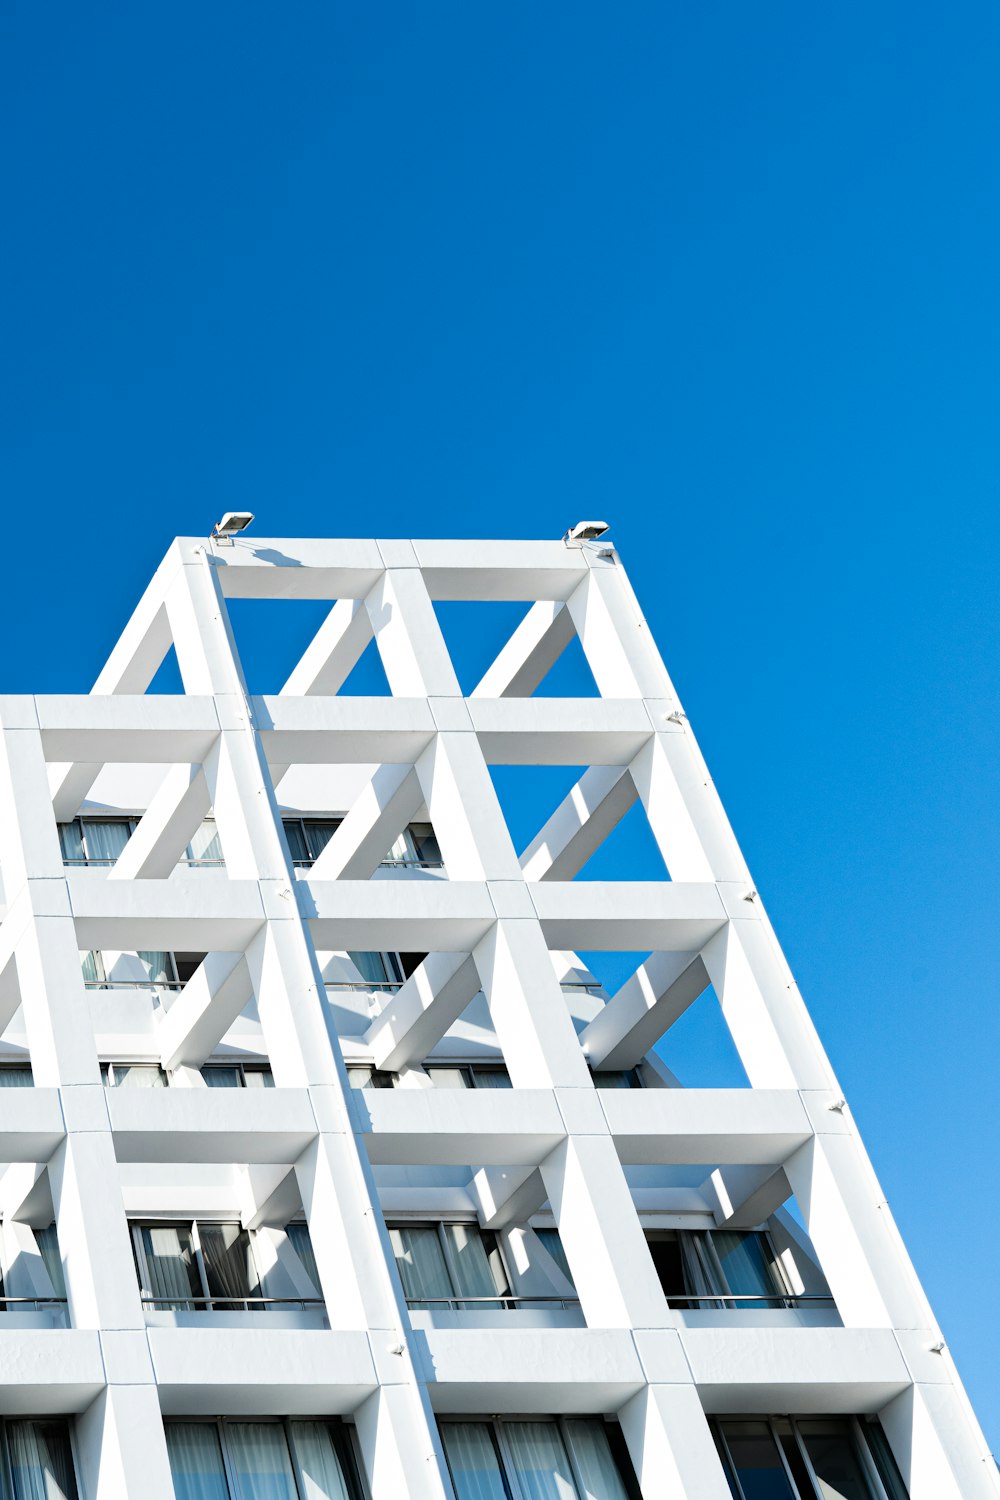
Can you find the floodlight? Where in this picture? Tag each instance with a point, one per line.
(232, 523)
(586, 531)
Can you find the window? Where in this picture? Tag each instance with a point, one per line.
(126, 1075)
(575, 1458)
(29, 1287)
(364, 1076)
(308, 837)
(239, 1075)
(621, 1078)
(16, 1076)
(231, 1460)
(720, 1268)
(469, 1076)
(132, 971)
(450, 1265)
(210, 1265)
(100, 842)
(416, 845)
(786, 1458)
(37, 1460)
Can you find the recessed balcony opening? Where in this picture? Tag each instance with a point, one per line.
(574, 1458)
(414, 849)
(807, 1458)
(215, 1458)
(209, 1265)
(92, 841)
(735, 1270)
(32, 1285)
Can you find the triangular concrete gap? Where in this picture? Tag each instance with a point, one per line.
(272, 635)
(475, 632)
(167, 678)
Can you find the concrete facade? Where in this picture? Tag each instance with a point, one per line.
(339, 825)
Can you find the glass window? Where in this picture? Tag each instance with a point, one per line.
(756, 1461)
(48, 1246)
(298, 1238)
(746, 1265)
(237, 1460)
(71, 843)
(422, 1267)
(787, 1458)
(41, 1462)
(229, 1265)
(624, 1078)
(220, 1076)
(16, 1076)
(205, 848)
(553, 1244)
(380, 970)
(121, 1075)
(835, 1460)
(536, 1460)
(104, 840)
(168, 1272)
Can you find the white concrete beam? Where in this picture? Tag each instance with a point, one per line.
(176, 811)
(371, 825)
(418, 1015)
(204, 1010)
(743, 1197)
(333, 652)
(531, 652)
(645, 1007)
(580, 824)
(507, 1195)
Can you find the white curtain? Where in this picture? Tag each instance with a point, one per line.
(17, 1077)
(48, 1248)
(371, 967)
(421, 1263)
(219, 1077)
(205, 844)
(169, 1265)
(473, 1461)
(71, 841)
(157, 966)
(196, 1461)
(701, 1279)
(138, 1076)
(40, 1461)
(229, 1262)
(541, 1461)
(298, 1238)
(492, 1078)
(595, 1463)
(105, 841)
(260, 1457)
(473, 1275)
(322, 1476)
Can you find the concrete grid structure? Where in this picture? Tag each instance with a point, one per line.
(420, 1252)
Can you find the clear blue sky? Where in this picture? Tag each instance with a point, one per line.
(725, 274)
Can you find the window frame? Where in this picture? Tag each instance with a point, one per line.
(457, 1301)
(56, 1418)
(508, 1470)
(208, 1302)
(242, 1066)
(344, 1438)
(861, 1447)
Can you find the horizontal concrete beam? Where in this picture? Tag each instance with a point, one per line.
(154, 730)
(236, 1126)
(402, 915)
(454, 1127)
(343, 731)
(628, 915)
(200, 910)
(746, 1127)
(560, 731)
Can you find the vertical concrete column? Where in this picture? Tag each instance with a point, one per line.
(937, 1442)
(671, 1446)
(335, 1180)
(118, 1457)
(527, 1007)
(612, 1269)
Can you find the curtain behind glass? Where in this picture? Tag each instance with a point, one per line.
(541, 1461)
(40, 1461)
(296, 842)
(168, 1265)
(228, 1260)
(491, 1078)
(88, 964)
(318, 835)
(371, 967)
(298, 1238)
(71, 842)
(470, 1264)
(158, 967)
(48, 1249)
(17, 1077)
(217, 1077)
(473, 1461)
(595, 1463)
(757, 1461)
(322, 1475)
(205, 844)
(105, 841)
(421, 1264)
(745, 1266)
(196, 1461)
(553, 1244)
(701, 1278)
(138, 1076)
(259, 1454)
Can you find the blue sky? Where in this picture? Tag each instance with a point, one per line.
(725, 275)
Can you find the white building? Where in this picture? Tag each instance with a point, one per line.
(340, 1175)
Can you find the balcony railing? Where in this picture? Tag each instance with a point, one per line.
(385, 864)
(237, 1304)
(709, 1300)
(498, 1303)
(107, 864)
(30, 1304)
(133, 984)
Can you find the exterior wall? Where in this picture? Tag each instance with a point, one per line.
(501, 928)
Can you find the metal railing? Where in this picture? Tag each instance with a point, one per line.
(238, 1304)
(133, 984)
(770, 1299)
(499, 1303)
(32, 1304)
(384, 864)
(384, 986)
(107, 864)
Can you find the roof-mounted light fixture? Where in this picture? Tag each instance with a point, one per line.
(585, 531)
(232, 523)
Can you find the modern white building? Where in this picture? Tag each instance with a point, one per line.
(336, 1172)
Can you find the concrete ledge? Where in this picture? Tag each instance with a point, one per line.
(210, 1125)
(551, 1369)
(458, 1127)
(748, 1127)
(261, 1372)
(31, 1124)
(805, 1370)
(45, 1371)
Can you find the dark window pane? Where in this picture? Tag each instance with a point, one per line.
(757, 1461)
(834, 1457)
(228, 1261)
(669, 1267)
